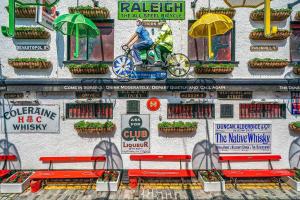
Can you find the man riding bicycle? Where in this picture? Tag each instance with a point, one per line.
(145, 42)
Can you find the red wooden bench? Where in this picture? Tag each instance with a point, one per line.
(234, 174)
(136, 174)
(69, 174)
(5, 172)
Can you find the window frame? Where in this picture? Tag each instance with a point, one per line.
(213, 108)
(112, 21)
(291, 29)
(283, 116)
(223, 106)
(138, 104)
(67, 105)
(233, 47)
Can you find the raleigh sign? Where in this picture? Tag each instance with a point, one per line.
(243, 137)
(135, 134)
(32, 119)
(151, 10)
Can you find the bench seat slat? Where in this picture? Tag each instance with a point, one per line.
(8, 157)
(235, 173)
(156, 173)
(160, 157)
(68, 174)
(248, 158)
(4, 172)
(71, 159)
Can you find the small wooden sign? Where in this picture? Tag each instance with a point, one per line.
(133, 94)
(36, 47)
(13, 95)
(235, 95)
(193, 95)
(88, 95)
(264, 48)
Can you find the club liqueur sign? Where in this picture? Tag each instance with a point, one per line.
(243, 138)
(151, 10)
(135, 134)
(32, 119)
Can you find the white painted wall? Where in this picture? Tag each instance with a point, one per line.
(123, 30)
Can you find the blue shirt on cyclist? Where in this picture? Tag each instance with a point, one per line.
(144, 35)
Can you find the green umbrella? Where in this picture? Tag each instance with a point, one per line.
(10, 31)
(75, 25)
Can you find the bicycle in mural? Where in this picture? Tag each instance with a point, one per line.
(177, 64)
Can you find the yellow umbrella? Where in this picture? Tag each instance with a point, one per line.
(253, 4)
(210, 25)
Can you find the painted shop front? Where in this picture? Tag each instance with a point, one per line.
(126, 82)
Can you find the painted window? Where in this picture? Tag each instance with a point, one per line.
(100, 48)
(191, 111)
(133, 107)
(226, 111)
(295, 42)
(262, 111)
(223, 47)
(295, 96)
(89, 111)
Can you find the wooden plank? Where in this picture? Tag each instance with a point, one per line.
(66, 174)
(160, 173)
(71, 159)
(257, 173)
(248, 158)
(160, 157)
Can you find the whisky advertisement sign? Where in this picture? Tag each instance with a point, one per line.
(243, 137)
(32, 119)
(135, 134)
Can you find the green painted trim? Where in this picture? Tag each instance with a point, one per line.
(10, 30)
(38, 4)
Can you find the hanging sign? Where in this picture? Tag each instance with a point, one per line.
(235, 95)
(135, 134)
(32, 119)
(193, 95)
(133, 94)
(149, 75)
(45, 16)
(243, 137)
(33, 47)
(88, 95)
(153, 104)
(151, 10)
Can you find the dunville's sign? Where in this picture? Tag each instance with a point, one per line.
(243, 137)
(151, 10)
(32, 119)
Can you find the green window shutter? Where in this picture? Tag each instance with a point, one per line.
(226, 111)
(133, 107)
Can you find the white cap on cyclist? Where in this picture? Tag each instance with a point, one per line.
(139, 20)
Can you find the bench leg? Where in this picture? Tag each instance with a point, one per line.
(133, 183)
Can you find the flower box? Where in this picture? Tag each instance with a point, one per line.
(295, 126)
(259, 34)
(109, 182)
(178, 127)
(230, 12)
(88, 68)
(267, 63)
(276, 14)
(217, 184)
(24, 12)
(29, 63)
(31, 33)
(297, 16)
(16, 183)
(292, 182)
(214, 68)
(92, 128)
(91, 12)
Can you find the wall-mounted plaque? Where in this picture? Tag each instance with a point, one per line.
(264, 48)
(193, 95)
(13, 95)
(235, 95)
(88, 95)
(36, 47)
(133, 94)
